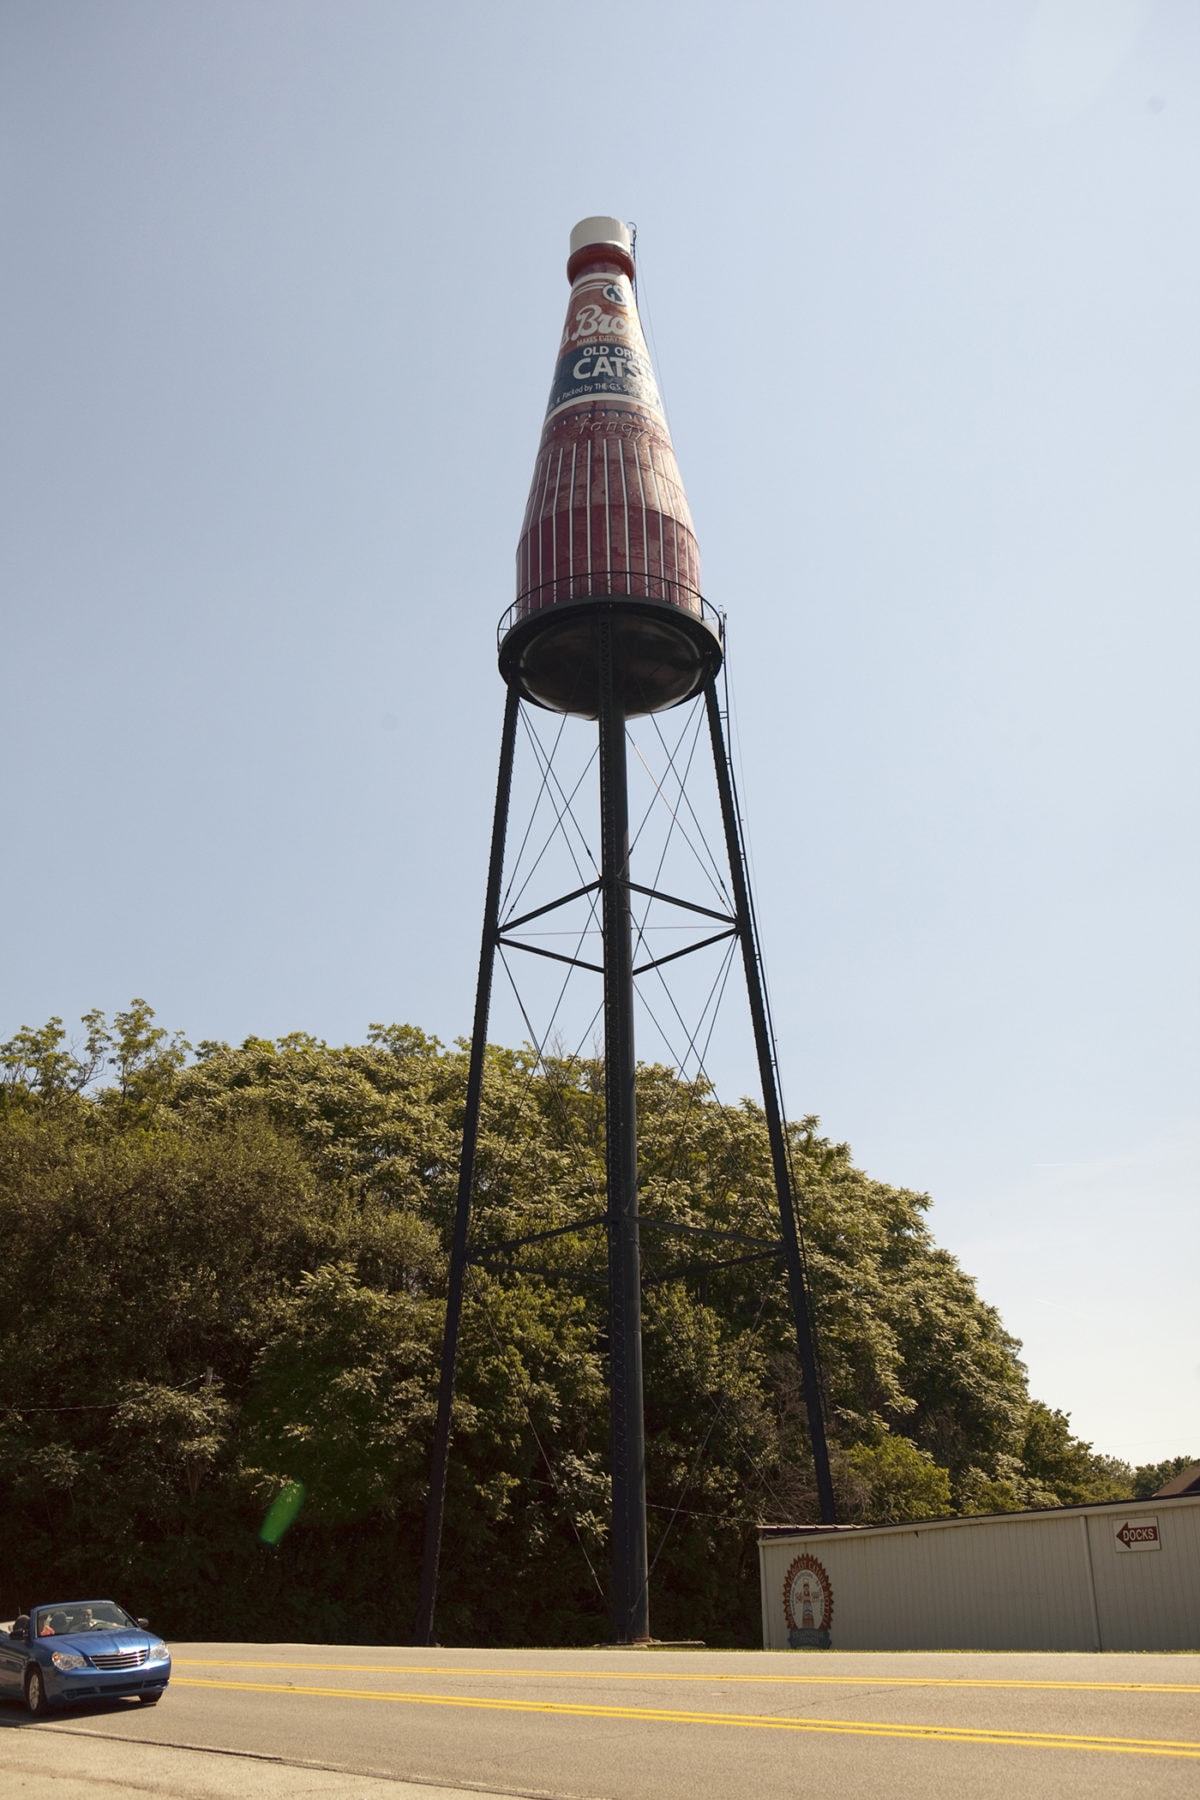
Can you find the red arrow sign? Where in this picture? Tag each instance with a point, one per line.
(1140, 1536)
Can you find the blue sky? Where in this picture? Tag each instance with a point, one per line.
(284, 289)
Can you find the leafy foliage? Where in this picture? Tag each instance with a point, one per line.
(1150, 1477)
(225, 1281)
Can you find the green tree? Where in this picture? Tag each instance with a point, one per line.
(339, 1397)
(880, 1484)
(1148, 1478)
(38, 1065)
(1057, 1461)
(226, 1274)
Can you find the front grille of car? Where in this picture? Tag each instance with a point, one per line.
(120, 1659)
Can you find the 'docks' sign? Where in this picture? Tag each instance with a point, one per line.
(1137, 1534)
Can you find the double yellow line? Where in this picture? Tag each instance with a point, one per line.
(696, 1676)
(944, 1734)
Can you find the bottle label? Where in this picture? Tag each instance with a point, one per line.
(603, 354)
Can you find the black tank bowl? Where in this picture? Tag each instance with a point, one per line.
(662, 655)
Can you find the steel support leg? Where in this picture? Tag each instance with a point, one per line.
(774, 1115)
(435, 1505)
(630, 1598)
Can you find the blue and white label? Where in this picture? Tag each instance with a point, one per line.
(593, 370)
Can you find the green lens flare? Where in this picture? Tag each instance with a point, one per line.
(282, 1511)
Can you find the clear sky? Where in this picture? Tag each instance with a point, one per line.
(284, 282)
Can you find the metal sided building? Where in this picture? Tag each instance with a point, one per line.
(1124, 1575)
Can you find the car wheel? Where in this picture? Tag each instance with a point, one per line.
(35, 1694)
(149, 1699)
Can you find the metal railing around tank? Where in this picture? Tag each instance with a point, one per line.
(610, 584)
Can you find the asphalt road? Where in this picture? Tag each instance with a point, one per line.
(295, 1720)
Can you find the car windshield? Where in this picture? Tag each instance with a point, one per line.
(97, 1615)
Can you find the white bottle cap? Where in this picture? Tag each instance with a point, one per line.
(601, 231)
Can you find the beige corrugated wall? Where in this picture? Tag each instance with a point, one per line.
(1019, 1581)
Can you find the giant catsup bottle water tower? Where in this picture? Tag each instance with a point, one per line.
(609, 624)
(607, 548)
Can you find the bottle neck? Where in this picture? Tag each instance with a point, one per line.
(607, 259)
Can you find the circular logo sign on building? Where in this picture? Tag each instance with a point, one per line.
(807, 1604)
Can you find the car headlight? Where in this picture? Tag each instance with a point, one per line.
(68, 1659)
(159, 1653)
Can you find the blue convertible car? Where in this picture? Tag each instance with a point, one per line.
(81, 1650)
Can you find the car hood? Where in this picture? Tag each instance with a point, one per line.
(104, 1642)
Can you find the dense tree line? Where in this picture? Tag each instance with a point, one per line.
(223, 1281)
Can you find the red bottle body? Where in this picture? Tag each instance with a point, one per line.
(607, 531)
(607, 514)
